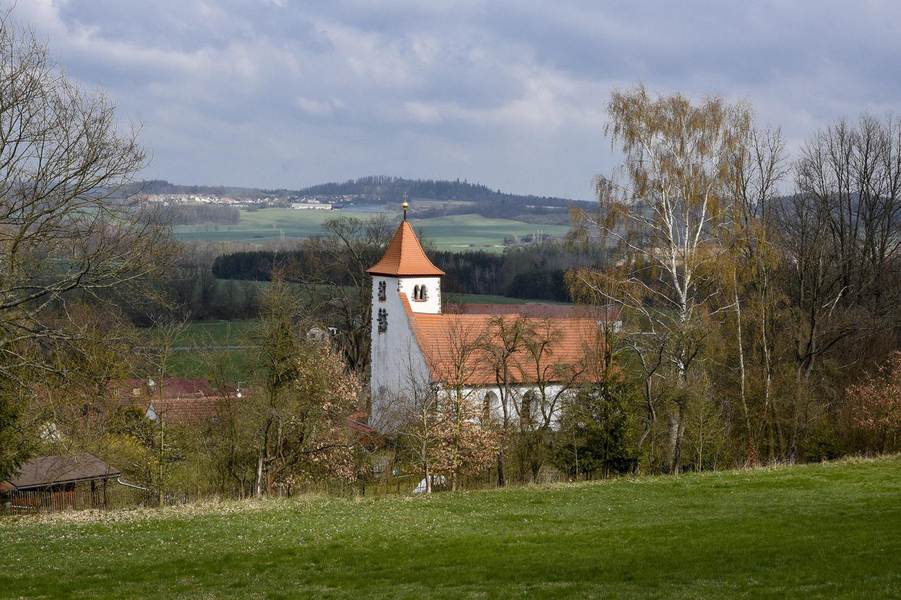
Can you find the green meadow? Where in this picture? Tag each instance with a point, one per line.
(456, 232)
(815, 531)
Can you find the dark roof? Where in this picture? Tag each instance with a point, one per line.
(181, 400)
(49, 470)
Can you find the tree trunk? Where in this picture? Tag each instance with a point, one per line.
(160, 494)
(258, 485)
(677, 432)
(751, 452)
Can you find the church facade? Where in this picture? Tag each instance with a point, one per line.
(418, 342)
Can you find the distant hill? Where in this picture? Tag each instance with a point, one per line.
(161, 186)
(432, 197)
(380, 189)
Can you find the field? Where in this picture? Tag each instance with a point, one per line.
(819, 531)
(457, 232)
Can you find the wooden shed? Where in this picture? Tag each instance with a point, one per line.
(58, 483)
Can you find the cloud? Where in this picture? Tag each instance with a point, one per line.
(511, 93)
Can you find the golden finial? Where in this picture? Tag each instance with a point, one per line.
(405, 206)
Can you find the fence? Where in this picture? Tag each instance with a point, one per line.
(113, 495)
(100, 495)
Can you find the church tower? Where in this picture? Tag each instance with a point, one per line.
(405, 268)
(404, 279)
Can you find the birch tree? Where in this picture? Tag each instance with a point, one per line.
(757, 170)
(662, 218)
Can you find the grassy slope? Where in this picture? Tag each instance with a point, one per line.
(456, 232)
(811, 531)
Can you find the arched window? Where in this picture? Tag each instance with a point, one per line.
(488, 405)
(527, 407)
(419, 293)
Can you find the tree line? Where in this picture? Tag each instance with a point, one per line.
(534, 272)
(749, 313)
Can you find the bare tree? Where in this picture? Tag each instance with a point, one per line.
(550, 381)
(415, 414)
(841, 236)
(468, 442)
(758, 168)
(338, 286)
(503, 344)
(62, 232)
(168, 332)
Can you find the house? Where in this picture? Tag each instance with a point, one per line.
(176, 400)
(417, 341)
(195, 402)
(58, 483)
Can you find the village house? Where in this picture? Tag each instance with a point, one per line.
(418, 342)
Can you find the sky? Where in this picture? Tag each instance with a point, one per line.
(281, 93)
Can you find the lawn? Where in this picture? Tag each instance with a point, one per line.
(456, 232)
(819, 531)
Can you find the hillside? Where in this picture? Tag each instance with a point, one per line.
(812, 531)
(431, 198)
(380, 189)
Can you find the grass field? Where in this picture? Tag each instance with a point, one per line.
(820, 531)
(457, 232)
(202, 342)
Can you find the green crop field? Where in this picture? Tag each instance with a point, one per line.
(456, 232)
(818, 531)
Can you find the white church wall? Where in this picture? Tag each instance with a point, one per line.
(396, 360)
(477, 396)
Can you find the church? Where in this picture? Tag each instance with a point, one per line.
(418, 342)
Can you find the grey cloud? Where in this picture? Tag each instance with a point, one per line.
(287, 93)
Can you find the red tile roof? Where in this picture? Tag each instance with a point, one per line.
(404, 256)
(607, 313)
(188, 409)
(454, 346)
(181, 400)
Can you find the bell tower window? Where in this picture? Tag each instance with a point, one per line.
(419, 293)
(383, 291)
